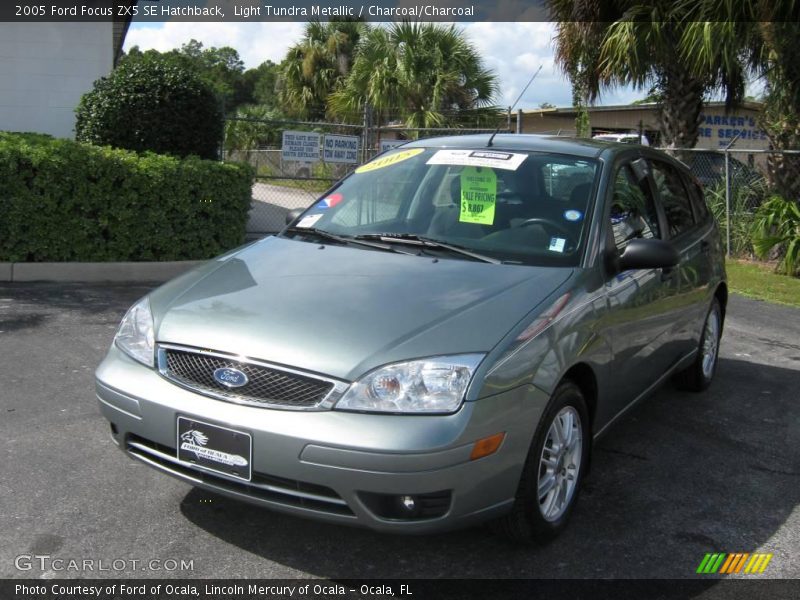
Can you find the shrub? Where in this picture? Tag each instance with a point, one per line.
(777, 226)
(152, 103)
(65, 201)
(743, 202)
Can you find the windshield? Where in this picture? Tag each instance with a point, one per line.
(517, 207)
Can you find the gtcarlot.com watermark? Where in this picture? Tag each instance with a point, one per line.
(45, 563)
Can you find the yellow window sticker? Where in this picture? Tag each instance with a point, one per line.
(478, 195)
(389, 160)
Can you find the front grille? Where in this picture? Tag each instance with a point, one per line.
(265, 386)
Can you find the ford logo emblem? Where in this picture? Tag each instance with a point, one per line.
(230, 378)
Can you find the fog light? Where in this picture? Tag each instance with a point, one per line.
(408, 507)
(408, 503)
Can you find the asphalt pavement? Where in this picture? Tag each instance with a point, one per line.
(681, 475)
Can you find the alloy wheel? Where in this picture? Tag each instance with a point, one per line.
(710, 343)
(560, 464)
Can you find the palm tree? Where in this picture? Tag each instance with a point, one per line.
(760, 37)
(423, 73)
(577, 51)
(251, 128)
(603, 45)
(317, 66)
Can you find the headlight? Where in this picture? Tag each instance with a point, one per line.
(135, 335)
(431, 385)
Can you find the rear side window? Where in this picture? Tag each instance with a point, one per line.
(674, 198)
(698, 201)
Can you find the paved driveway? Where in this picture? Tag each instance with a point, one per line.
(271, 203)
(680, 476)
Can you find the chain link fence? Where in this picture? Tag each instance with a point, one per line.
(737, 181)
(284, 184)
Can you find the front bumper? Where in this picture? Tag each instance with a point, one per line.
(328, 465)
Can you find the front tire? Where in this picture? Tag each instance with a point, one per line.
(553, 471)
(698, 376)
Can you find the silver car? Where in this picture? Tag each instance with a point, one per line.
(436, 342)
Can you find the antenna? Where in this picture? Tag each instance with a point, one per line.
(525, 89)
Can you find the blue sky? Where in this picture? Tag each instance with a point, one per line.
(513, 50)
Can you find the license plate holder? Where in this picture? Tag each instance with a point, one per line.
(215, 448)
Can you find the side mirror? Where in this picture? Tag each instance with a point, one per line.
(293, 214)
(648, 254)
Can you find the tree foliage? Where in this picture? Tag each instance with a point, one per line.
(316, 66)
(223, 69)
(422, 73)
(152, 103)
(262, 84)
(632, 42)
(250, 128)
(761, 37)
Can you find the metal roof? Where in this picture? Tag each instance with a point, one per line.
(569, 111)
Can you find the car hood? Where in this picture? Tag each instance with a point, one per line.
(342, 311)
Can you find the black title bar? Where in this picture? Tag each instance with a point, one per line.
(709, 588)
(272, 10)
(293, 10)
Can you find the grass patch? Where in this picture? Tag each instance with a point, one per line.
(759, 281)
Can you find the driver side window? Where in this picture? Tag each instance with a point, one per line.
(633, 213)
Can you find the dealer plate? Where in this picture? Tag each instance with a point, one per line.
(215, 448)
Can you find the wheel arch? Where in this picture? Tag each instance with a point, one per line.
(582, 375)
(721, 294)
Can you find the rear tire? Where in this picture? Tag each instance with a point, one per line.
(698, 376)
(553, 471)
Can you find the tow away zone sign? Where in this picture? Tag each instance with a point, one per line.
(340, 149)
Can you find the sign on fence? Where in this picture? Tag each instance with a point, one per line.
(340, 149)
(300, 145)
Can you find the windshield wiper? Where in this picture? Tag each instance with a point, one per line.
(426, 242)
(340, 239)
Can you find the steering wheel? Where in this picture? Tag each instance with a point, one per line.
(548, 224)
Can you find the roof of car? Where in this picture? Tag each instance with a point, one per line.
(582, 147)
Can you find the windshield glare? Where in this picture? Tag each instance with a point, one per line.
(518, 207)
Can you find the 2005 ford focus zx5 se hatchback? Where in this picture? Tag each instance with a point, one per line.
(435, 342)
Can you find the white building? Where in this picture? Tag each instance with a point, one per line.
(45, 68)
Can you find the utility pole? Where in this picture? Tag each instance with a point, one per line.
(365, 145)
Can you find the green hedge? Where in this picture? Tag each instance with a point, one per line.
(152, 102)
(62, 200)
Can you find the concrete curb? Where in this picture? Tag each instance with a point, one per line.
(95, 272)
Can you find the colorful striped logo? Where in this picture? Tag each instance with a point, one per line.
(739, 562)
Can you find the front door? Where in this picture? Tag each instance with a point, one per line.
(691, 236)
(637, 322)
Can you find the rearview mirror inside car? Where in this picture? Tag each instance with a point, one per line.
(293, 214)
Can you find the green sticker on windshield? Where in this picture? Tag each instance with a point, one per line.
(478, 195)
